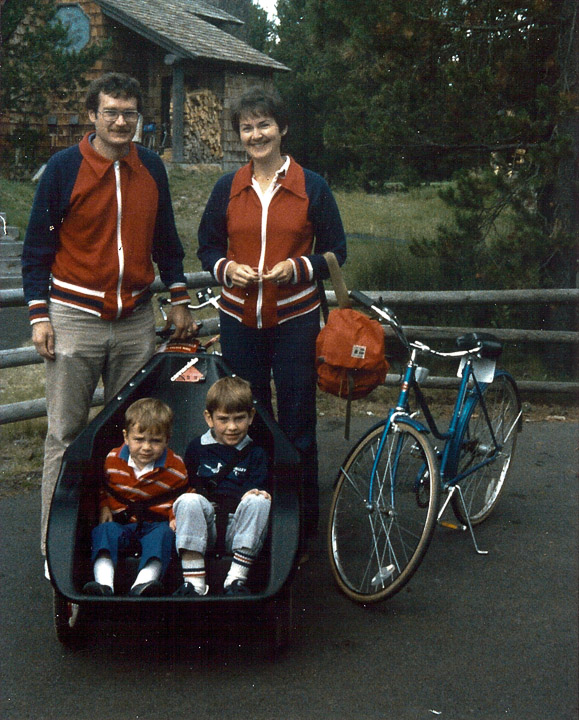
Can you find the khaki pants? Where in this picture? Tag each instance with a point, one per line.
(87, 348)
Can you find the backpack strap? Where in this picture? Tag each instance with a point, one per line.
(338, 283)
(323, 301)
(344, 301)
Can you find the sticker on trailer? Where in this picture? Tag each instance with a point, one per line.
(188, 373)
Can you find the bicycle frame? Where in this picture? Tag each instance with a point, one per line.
(470, 392)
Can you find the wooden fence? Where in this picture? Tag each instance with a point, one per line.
(37, 408)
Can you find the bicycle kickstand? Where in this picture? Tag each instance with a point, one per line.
(451, 492)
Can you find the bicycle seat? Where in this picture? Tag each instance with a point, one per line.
(492, 347)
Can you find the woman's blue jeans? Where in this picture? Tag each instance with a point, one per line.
(286, 352)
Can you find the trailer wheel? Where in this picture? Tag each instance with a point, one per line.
(67, 621)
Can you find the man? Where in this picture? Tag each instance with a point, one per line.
(101, 214)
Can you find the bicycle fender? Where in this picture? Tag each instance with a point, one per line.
(405, 419)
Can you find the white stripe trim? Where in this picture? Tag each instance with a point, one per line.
(76, 307)
(78, 288)
(304, 312)
(310, 266)
(299, 296)
(233, 298)
(136, 293)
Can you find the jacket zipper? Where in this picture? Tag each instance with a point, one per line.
(120, 251)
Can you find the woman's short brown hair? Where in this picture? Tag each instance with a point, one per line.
(150, 414)
(256, 102)
(229, 394)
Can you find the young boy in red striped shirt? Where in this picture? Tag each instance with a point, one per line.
(143, 477)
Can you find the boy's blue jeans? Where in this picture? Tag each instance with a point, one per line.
(288, 352)
(156, 539)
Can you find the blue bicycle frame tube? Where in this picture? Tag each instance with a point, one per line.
(401, 408)
(456, 415)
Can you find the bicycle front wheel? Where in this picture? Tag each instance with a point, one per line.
(380, 527)
(486, 462)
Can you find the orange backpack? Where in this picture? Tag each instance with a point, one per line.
(350, 354)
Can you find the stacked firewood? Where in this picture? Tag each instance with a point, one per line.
(202, 127)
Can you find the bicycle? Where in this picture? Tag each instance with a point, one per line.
(386, 500)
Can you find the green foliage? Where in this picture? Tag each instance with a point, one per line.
(416, 90)
(37, 65)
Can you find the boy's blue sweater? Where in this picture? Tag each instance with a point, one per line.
(205, 457)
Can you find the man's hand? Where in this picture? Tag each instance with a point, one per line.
(43, 339)
(185, 326)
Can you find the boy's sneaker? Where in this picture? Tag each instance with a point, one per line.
(187, 590)
(95, 588)
(153, 588)
(237, 587)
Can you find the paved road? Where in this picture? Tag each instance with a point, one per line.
(470, 637)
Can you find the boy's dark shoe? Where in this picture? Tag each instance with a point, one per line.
(237, 587)
(187, 590)
(95, 588)
(148, 589)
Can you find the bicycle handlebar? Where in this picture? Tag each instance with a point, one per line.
(387, 315)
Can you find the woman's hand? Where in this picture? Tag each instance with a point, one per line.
(281, 274)
(241, 275)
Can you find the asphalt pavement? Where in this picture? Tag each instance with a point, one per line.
(470, 636)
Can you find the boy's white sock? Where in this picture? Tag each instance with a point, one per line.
(193, 566)
(240, 566)
(104, 570)
(151, 571)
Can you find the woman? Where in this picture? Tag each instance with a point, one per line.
(262, 236)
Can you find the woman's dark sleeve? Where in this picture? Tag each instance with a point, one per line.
(328, 229)
(212, 233)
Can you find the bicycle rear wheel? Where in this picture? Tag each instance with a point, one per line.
(377, 538)
(482, 487)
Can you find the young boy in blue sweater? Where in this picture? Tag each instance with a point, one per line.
(230, 475)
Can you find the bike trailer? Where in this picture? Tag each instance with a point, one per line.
(181, 379)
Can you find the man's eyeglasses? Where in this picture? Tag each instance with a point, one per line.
(112, 115)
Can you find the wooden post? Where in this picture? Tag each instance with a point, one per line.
(178, 110)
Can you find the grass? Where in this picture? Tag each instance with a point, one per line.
(16, 200)
(405, 215)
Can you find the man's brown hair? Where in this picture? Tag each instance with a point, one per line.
(117, 85)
